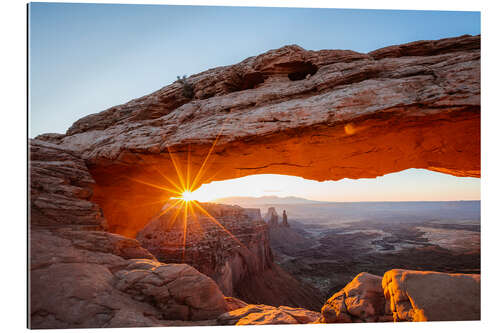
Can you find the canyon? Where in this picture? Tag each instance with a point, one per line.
(231, 245)
(96, 191)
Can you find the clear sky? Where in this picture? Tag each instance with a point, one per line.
(85, 58)
(408, 185)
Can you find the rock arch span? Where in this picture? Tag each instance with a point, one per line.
(352, 115)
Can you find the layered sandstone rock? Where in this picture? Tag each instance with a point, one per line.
(231, 245)
(271, 217)
(284, 222)
(268, 315)
(322, 115)
(362, 300)
(60, 190)
(92, 279)
(82, 277)
(405, 295)
(225, 242)
(431, 296)
(234, 303)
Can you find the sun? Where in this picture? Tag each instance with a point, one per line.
(188, 196)
(185, 201)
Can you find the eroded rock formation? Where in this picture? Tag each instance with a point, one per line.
(92, 279)
(362, 300)
(226, 243)
(284, 222)
(60, 190)
(83, 277)
(322, 115)
(272, 217)
(405, 295)
(268, 315)
(431, 296)
(231, 245)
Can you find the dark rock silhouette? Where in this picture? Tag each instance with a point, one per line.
(272, 217)
(285, 220)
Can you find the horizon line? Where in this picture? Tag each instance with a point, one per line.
(323, 201)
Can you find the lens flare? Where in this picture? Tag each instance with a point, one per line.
(188, 196)
(182, 199)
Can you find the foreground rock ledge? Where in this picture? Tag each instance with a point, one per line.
(432, 296)
(406, 295)
(321, 115)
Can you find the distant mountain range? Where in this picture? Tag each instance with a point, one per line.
(265, 200)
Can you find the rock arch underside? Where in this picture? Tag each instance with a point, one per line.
(320, 115)
(360, 115)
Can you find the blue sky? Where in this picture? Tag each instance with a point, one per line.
(85, 58)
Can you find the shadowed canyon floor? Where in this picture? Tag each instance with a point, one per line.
(322, 115)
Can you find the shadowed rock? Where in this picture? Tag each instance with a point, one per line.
(60, 190)
(79, 280)
(362, 300)
(234, 303)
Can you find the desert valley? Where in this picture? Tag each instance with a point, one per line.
(328, 244)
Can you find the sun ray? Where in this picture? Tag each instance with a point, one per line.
(163, 212)
(177, 169)
(149, 203)
(152, 185)
(185, 231)
(173, 218)
(188, 168)
(213, 219)
(179, 189)
(201, 169)
(195, 218)
(168, 179)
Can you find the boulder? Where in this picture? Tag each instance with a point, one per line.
(432, 296)
(268, 315)
(78, 279)
(362, 300)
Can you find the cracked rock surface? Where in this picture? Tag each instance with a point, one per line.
(92, 279)
(361, 300)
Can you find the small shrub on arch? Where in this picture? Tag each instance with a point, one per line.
(187, 88)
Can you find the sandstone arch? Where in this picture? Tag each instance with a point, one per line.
(415, 105)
